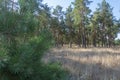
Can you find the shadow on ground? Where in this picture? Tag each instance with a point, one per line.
(81, 67)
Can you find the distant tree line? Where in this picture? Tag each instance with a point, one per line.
(79, 26)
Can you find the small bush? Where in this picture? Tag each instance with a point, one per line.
(25, 63)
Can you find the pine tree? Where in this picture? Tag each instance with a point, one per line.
(69, 24)
(59, 16)
(104, 19)
(80, 13)
(21, 49)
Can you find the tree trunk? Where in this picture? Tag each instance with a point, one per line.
(83, 38)
(94, 42)
(70, 44)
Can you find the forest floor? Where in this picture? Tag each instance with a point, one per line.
(87, 64)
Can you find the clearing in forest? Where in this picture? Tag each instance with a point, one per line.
(87, 64)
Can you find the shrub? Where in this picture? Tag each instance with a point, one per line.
(25, 63)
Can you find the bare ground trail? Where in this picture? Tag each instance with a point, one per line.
(87, 64)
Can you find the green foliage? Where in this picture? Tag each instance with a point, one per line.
(117, 42)
(26, 63)
(103, 25)
(52, 72)
(23, 42)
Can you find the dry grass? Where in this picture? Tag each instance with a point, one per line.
(87, 64)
